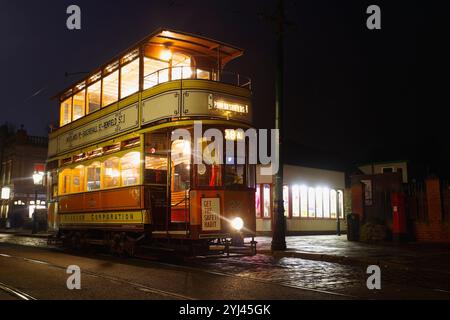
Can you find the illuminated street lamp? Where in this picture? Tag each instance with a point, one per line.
(38, 178)
(6, 193)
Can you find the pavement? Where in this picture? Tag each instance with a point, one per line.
(404, 256)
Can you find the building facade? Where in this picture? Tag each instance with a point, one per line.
(22, 155)
(314, 201)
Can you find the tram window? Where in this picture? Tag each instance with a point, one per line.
(251, 176)
(181, 165)
(234, 175)
(129, 79)
(94, 97)
(130, 165)
(204, 75)
(65, 179)
(155, 170)
(155, 72)
(79, 105)
(66, 112)
(156, 143)
(181, 66)
(78, 179)
(93, 177)
(111, 178)
(286, 200)
(110, 89)
(209, 175)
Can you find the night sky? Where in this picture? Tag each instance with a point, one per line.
(349, 91)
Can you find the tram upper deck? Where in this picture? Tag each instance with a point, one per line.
(167, 77)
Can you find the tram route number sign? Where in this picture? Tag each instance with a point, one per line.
(211, 214)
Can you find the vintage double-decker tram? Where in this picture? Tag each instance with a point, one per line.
(116, 175)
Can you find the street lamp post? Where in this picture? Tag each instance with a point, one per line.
(38, 178)
(279, 221)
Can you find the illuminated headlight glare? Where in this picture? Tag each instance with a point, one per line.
(237, 224)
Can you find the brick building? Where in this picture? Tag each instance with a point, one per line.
(20, 155)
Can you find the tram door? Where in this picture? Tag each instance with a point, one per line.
(167, 177)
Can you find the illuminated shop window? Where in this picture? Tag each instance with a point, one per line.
(311, 203)
(111, 89)
(129, 79)
(155, 72)
(78, 184)
(79, 105)
(326, 203)
(130, 168)
(333, 204)
(94, 93)
(286, 200)
(341, 204)
(304, 201)
(66, 112)
(93, 176)
(181, 67)
(319, 203)
(295, 201)
(258, 201)
(65, 181)
(111, 177)
(267, 200)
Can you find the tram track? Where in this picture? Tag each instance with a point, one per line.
(137, 286)
(15, 292)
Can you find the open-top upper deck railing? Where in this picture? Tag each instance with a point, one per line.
(196, 73)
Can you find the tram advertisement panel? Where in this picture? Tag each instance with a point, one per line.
(112, 124)
(211, 214)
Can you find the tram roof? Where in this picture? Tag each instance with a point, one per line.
(182, 40)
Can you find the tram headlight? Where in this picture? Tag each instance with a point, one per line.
(237, 224)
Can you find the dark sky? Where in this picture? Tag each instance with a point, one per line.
(348, 90)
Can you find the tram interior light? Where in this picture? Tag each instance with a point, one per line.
(166, 55)
(237, 224)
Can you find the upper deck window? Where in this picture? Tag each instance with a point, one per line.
(155, 72)
(66, 112)
(79, 105)
(111, 89)
(94, 93)
(129, 79)
(181, 66)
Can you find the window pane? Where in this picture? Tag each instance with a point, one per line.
(111, 88)
(333, 204)
(111, 177)
(319, 203)
(258, 201)
(94, 96)
(304, 201)
(66, 112)
(181, 67)
(286, 200)
(65, 181)
(312, 203)
(295, 201)
(181, 165)
(151, 75)
(93, 177)
(341, 204)
(267, 200)
(204, 75)
(326, 203)
(78, 179)
(79, 105)
(155, 169)
(130, 79)
(130, 164)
